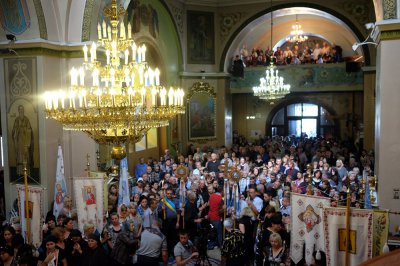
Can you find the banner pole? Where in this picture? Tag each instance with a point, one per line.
(28, 219)
(347, 228)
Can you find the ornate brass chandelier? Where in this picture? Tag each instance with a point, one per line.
(125, 98)
(296, 35)
(271, 87)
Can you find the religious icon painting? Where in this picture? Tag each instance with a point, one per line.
(89, 195)
(352, 243)
(30, 210)
(310, 218)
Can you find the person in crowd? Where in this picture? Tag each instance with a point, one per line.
(114, 229)
(184, 250)
(140, 168)
(125, 244)
(215, 203)
(233, 250)
(136, 218)
(75, 248)
(171, 218)
(95, 255)
(52, 254)
(8, 234)
(276, 253)
(49, 225)
(153, 244)
(247, 226)
(7, 256)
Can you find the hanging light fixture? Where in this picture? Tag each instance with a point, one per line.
(272, 86)
(296, 35)
(125, 98)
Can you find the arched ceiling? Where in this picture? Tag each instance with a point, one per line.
(257, 34)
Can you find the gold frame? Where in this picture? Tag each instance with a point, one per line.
(201, 89)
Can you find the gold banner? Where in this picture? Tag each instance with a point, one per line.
(381, 231)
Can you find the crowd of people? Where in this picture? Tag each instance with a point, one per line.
(291, 55)
(181, 218)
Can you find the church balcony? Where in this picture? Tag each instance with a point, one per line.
(305, 78)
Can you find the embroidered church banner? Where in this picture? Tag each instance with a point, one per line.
(89, 201)
(381, 231)
(360, 243)
(307, 229)
(35, 212)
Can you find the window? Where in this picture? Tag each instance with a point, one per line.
(149, 141)
(301, 119)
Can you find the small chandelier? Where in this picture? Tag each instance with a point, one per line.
(125, 98)
(296, 35)
(271, 87)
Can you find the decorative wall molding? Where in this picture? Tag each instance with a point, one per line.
(389, 9)
(87, 20)
(178, 12)
(227, 22)
(41, 19)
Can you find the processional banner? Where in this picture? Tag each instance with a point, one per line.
(35, 212)
(89, 201)
(360, 242)
(381, 231)
(307, 228)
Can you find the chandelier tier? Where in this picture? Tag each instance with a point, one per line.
(272, 87)
(297, 34)
(124, 98)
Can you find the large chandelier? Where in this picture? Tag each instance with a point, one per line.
(296, 35)
(272, 86)
(124, 98)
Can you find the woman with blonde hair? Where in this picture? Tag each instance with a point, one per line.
(276, 253)
(136, 218)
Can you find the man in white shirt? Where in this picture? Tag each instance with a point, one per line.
(255, 203)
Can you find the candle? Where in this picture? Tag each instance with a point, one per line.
(74, 79)
(81, 76)
(163, 94)
(95, 77)
(104, 29)
(143, 53)
(62, 94)
(126, 56)
(122, 30)
(146, 78)
(109, 33)
(133, 78)
(153, 96)
(99, 31)
(127, 78)
(170, 96)
(157, 75)
(108, 53)
(114, 49)
(112, 73)
(143, 93)
(93, 52)
(134, 47)
(141, 75)
(98, 93)
(129, 31)
(84, 98)
(85, 50)
(151, 77)
(139, 57)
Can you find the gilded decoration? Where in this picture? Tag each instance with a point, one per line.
(390, 35)
(202, 105)
(41, 19)
(389, 9)
(227, 21)
(87, 20)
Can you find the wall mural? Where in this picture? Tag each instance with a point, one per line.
(22, 117)
(14, 16)
(200, 37)
(143, 18)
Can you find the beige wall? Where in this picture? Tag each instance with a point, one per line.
(387, 141)
(244, 105)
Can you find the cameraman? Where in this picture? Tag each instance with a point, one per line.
(183, 251)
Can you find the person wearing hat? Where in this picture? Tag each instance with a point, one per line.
(95, 255)
(52, 255)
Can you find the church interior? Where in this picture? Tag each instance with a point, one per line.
(193, 46)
